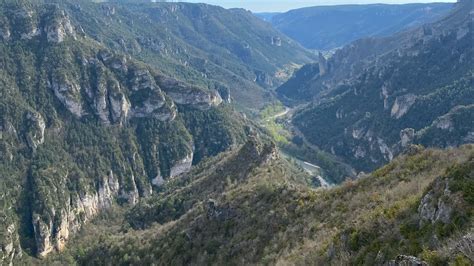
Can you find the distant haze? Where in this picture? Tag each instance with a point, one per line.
(285, 5)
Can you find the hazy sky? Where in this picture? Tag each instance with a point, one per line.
(284, 5)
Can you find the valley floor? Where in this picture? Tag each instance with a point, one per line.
(295, 147)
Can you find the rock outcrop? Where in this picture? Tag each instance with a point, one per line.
(108, 99)
(185, 94)
(158, 180)
(150, 99)
(276, 40)
(182, 166)
(323, 64)
(58, 27)
(154, 107)
(27, 18)
(36, 127)
(54, 226)
(263, 78)
(437, 204)
(116, 62)
(10, 249)
(68, 93)
(119, 107)
(402, 105)
(444, 123)
(255, 151)
(407, 136)
(52, 24)
(130, 193)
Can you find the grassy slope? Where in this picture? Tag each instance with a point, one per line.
(269, 218)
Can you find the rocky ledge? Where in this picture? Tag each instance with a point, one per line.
(51, 24)
(184, 94)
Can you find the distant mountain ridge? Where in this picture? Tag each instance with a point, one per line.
(329, 27)
(121, 143)
(227, 49)
(374, 97)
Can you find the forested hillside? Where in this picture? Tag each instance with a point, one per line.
(151, 134)
(328, 27)
(374, 97)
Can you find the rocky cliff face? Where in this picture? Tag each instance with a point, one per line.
(182, 166)
(184, 94)
(351, 60)
(402, 105)
(58, 27)
(387, 93)
(83, 128)
(185, 192)
(68, 93)
(437, 204)
(37, 126)
(10, 249)
(50, 23)
(53, 231)
(107, 96)
(233, 45)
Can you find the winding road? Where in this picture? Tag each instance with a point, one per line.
(310, 168)
(280, 114)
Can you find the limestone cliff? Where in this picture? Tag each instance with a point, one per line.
(58, 27)
(183, 165)
(184, 94)
(37, 126)
(83, 128)
(379, 88)
(10, 249)
(55, 224)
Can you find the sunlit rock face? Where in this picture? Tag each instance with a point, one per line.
(54, 226)
(58, 27)
(380, 95)
(182, 166)
(35, 135)
(402, 105)
(68, 93)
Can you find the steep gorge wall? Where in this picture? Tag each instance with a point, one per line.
(84, 128)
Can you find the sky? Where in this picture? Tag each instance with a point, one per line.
(285, 5)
